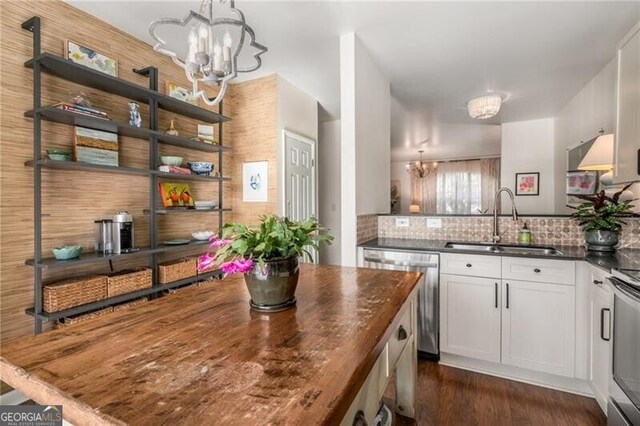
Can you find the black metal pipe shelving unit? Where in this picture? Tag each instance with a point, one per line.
(67, 70)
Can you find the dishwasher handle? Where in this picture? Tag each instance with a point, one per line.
(399, 263)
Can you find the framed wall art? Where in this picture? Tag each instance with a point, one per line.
(255, 182)
(88, 57)
(581, 182)
(95, 146)
(528, 183)
(173, 90)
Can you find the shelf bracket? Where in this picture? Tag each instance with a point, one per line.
(151, 73)
(33, 25)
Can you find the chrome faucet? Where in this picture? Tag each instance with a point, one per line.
(496, 233)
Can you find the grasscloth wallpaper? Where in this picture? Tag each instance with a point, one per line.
(73, 200)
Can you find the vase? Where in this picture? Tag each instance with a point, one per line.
(601, 240)
(273, 287)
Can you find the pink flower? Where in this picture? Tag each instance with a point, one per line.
(237, 266)
(217, 243)
(205, 262)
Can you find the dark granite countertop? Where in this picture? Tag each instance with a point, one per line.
(623, 258)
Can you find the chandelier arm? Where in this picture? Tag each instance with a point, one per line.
(215, 101)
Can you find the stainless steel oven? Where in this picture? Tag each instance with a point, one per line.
(624, 401)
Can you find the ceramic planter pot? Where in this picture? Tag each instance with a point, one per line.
(273, 287)
(601, 240)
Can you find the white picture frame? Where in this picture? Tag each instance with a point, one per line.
(255, 182)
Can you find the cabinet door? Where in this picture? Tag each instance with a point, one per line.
(470, 316)
(538, 326)
(627, 140)
(599, 344)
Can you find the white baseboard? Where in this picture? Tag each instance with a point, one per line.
(565, 384)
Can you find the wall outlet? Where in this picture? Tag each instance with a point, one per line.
(402, 222)
(434, 223)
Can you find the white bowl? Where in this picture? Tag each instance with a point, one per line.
(202, 235)
(169, 160)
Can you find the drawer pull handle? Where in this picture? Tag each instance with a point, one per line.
(602, 311)
(359, 419)
(469, 265)
(597, 282)
(536, 270)
(507, 295)
(402, 333)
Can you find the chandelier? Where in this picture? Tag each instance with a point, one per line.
(214, 43)
(420, 168)
(484, 107)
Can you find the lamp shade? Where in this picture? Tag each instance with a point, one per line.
(414, 208)
(600, 155)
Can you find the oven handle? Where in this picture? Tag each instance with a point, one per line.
(625, 289)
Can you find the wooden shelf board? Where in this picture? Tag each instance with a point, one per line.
(177, 176)
(88, 167)
(67, 70)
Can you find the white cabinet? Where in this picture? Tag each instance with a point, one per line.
(627, 138)
(538, 326)
(470, 316)
(599, 338)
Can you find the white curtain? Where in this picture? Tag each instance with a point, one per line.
(459, 187)
(490, 168)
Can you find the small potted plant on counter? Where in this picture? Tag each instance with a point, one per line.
(267, 254)
(601, 218)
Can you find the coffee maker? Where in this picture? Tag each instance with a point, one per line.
(122, 233)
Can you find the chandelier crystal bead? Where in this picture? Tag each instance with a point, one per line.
(484, 107)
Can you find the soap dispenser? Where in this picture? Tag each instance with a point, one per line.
(524, 236)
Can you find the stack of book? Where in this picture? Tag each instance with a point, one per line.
(81, 109)
(174, 169)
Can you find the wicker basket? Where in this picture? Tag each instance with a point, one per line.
(76, 319)
(177, 270)
(73, 292)
(129, 305)
(129, 280)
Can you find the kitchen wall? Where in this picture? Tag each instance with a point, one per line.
(591, 109)
(528, 146)
(365, 146)
(554, 231)
(329, 185)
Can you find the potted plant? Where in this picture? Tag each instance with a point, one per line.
(601, 218)
(267, 254)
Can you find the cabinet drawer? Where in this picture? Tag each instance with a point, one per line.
(400, 336)
(470, 264)
(368, 398)
(539, 270)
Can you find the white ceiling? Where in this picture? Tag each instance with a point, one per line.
(437, 55)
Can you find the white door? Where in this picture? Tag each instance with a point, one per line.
(299, 179)
(599, 343)
(470, 316)
(538, 326)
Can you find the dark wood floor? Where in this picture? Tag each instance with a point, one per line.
(450, 396)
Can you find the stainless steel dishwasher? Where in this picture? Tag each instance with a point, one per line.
(428, 292)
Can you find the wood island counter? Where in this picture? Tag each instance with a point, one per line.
(201, 356)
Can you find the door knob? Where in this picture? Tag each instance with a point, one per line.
(359, 419)
(402, 333)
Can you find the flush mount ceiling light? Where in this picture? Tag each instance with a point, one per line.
(214, 42)
(484, 107)
(420, 168)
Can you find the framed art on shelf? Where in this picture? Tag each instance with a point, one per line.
(88, 57)
(528, 183)
(173, 90)
(255, 182)
(581, 182)
(176, 195)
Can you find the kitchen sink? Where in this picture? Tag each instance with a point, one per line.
(504, 248)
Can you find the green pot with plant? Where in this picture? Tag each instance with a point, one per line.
(602, 218)
(267, 254)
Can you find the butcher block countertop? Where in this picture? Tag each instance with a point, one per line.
(200, 356)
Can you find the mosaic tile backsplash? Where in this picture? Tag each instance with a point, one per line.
(553, 231)
(367, 225)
